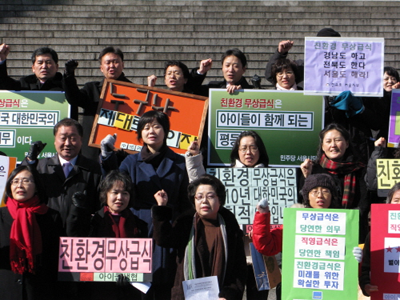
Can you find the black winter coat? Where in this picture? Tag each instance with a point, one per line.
(28, 82)
(27, 286)
(85, 176)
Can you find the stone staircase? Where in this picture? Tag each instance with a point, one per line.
(151, 32)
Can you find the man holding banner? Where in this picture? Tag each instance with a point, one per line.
(111, 65)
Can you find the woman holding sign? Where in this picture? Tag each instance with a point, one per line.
(319, 191)
(116, 220)
(208, 240)
(29, 234)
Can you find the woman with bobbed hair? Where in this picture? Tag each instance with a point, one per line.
(29, 235)
(116, 220)
(155, 167)
(284, 73)
(208, 239)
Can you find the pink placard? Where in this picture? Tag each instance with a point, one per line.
(109, 255)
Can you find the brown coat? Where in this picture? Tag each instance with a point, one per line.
(177, 236)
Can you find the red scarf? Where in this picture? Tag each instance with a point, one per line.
(25, 235)
(125, 228)
(347, 169)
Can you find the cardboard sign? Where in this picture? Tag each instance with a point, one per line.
(246, 186)
(287, 122)
(385, 251)
(122, 104)
(29, 116)
(7, 165)
(333, 65)
(103, 259)
(317, 254)
(388, 174)
(394, 120)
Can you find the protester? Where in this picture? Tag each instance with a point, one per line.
(29, 235)
(336, 157)
(284, 73)
(234, 65)
(116, 220)
(44, 67)
(208, 240)
(111, 65)
(365, 275)
(155, 167)
(319, 191)
(68, 176)
(283, 50)
(248, 151)
(177, 77)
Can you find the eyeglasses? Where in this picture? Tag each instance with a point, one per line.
(324, 192)
(253, 149)
(288, 73)
(209, 197)
(23, 181)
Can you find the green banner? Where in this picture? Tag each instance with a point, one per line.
(318, 261)
(288, 123)
(29, 116)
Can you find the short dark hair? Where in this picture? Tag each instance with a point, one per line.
(216, 184)
(264, 159)
(149, 117)
(235, 52)
(111, 49)
(179, 64)
(68, 122)
(107, 183)
(391, 72)
(283, 64)
(40, 190)
(42, 51)
(344, 133)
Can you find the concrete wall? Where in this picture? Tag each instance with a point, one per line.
(150, 32)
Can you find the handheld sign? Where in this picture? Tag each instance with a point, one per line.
(333, 65)
(385, 251)
(29, 116)
(388, 174)
(246, 186)
(122, 104)
(317, 254)
(394, 120)
(103, 259)
(287, 122)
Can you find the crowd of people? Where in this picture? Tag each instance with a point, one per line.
(89, 192)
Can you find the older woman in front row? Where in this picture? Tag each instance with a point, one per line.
(210, 235)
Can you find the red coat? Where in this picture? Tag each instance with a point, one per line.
(268, 242)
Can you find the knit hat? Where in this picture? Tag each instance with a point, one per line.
(328, 32)
(318, 180)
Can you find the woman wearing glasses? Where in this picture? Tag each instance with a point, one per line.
(283, 74)
(29, 234)
(319, 191)
(248, 151)
(208, 239)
